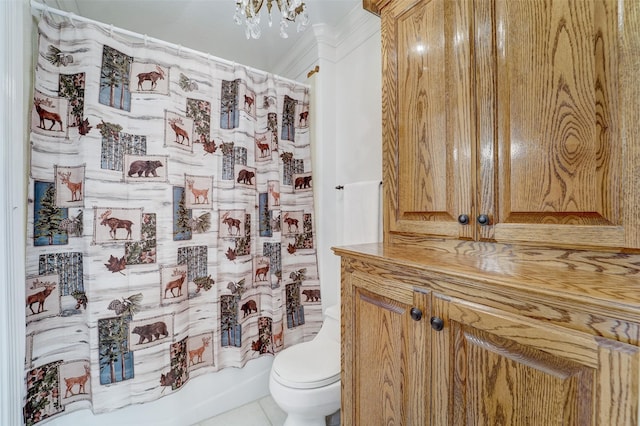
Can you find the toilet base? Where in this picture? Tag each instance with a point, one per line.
(306, 407)
(334, 419)
(297, 420)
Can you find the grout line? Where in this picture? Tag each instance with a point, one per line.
(266, 415)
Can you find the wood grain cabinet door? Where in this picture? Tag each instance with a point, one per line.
(519, 117)
(490, 368)
(555, 121)
(428, 129)
(386, 359)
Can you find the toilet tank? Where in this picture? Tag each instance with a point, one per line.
(331, 325)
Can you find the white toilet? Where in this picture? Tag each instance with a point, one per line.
(305, 378)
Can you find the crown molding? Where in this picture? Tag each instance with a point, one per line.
(329, 43)
(357, 27)
(326, 40)
(303, 55)
(317, 44)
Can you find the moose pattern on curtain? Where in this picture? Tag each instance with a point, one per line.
(170, 220)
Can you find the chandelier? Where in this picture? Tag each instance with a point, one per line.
(248, 12)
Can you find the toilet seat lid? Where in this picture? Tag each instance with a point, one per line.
(308, 365)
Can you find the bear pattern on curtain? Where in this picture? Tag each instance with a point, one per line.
(170, 220)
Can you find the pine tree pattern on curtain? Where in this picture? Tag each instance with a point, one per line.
(170, 219)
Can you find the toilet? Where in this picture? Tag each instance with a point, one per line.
(305, 378)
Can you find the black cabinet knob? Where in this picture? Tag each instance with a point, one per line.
(416, 314)
(437, 323)
(463, 219)
(483, 220)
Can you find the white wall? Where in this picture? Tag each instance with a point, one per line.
(346, 104)
(359, 113)
(358, 149)
(347, 148)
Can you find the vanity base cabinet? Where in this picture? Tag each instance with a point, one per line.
(420, 348)
(497, 368)
(387, 358)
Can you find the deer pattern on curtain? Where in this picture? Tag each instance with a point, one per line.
(170, 220)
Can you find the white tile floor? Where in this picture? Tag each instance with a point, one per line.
(263, 412)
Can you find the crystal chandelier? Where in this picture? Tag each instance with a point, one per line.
(248, 11)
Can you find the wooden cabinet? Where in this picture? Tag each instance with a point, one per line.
(525, 113)
(511, 154)
(499, 368)
(388, 355)
(488, 348)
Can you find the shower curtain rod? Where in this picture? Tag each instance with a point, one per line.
(112, 29)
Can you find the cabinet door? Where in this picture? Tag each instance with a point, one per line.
(385, 355)
(497, 368)
(552, 114)
(428, 129)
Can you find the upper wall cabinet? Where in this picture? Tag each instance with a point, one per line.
(512, 121)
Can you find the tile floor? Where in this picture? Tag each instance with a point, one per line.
(263, 412)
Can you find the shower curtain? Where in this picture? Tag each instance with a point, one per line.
(170, 219)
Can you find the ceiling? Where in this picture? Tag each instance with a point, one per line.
(206, 25)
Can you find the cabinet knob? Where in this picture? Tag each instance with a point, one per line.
(463, 219)
(483, 220)
(437, 323)
(416, 314)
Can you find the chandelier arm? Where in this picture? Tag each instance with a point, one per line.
(289, 9)
(253, 7)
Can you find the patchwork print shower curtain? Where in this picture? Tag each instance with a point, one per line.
(170, 220)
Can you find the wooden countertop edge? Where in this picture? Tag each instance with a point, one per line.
(621, 293)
